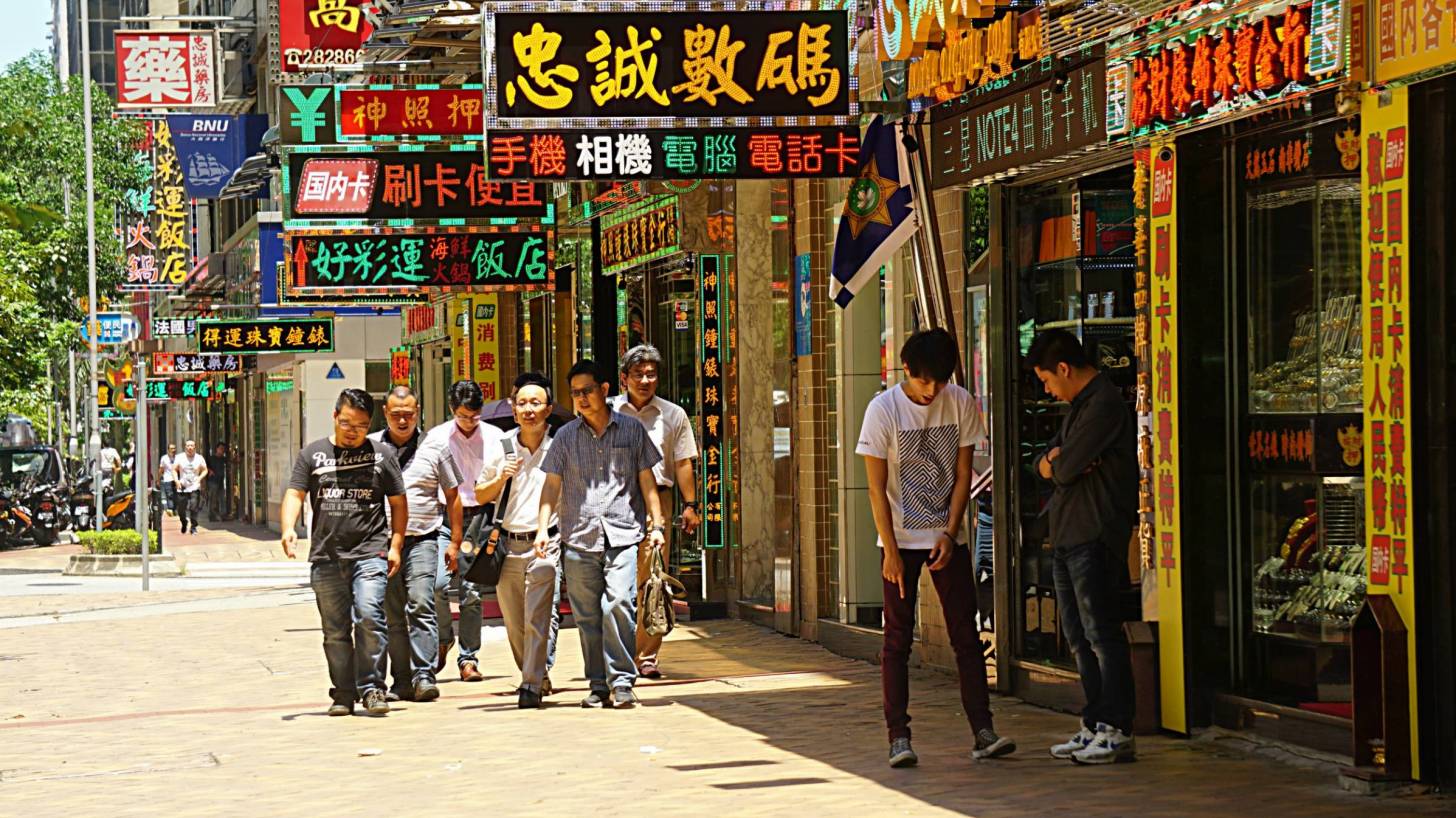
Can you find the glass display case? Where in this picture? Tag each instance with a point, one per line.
(1076, 270)
(1304, 341)
(1306, 509)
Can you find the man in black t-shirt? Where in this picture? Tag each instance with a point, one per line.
(352, 547)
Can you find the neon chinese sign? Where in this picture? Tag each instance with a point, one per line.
(382, 260)
(660, 67)
(266, 335)
(404, 185)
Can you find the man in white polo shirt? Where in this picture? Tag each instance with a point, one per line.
(667, 424)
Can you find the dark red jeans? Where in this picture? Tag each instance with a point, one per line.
(955, 584)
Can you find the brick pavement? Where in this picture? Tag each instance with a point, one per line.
(221, 713)
(213, 542)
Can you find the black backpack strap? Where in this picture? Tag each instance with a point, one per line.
(505, 496)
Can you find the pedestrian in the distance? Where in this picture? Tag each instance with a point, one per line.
(167, 468)
(347, 479)
(1093, 463)
(671, 431)
(217, 499)
(191, 471)
(917, 441)
(431, 487)
(599, 479)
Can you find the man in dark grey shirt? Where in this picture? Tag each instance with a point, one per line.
(599, 478)
(1093, 463)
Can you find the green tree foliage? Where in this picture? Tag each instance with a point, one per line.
(43, 265)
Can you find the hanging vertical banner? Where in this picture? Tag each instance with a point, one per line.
(460, 315)
(710, 360)
(485, 344)
(174, 253)
(1389, 517)
(399, 366)
(139, 206)
(1163, 334)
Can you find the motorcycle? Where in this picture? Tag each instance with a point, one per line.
(119, 508)
(13, 518)
(49, 515)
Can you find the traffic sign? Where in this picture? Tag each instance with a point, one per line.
(112, 328)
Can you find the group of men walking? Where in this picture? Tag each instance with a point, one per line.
(588, 502)
(182, 476)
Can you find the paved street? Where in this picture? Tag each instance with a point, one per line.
(211, 703)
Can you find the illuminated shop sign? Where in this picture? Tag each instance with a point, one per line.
(1223, 65)
(1412, 36)
(377, 185)
(677, 153)
(965, 55)
(166, 389)
(639, 235)
(316, 34)
(387, 111)
(182, 363)
(383, 260)
(710, 378)
(166, 69)
(266, 335)
(1046, 118)
(575, 62)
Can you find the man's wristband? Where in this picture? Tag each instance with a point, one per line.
(692, 504)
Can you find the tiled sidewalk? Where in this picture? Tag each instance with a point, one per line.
(220, 712)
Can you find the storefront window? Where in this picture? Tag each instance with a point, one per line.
(1306, 500)
(1075, 263)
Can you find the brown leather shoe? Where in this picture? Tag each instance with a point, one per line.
(444, 654)
(470, 673)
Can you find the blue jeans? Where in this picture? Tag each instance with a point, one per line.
(470, 620)
(169, 495)
(602, 587)
(1087, 577)
(350, 596)
(555, 620)
(409, 605)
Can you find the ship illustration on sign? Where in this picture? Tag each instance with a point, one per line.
(205, 169)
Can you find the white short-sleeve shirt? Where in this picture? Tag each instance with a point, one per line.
(921, 445)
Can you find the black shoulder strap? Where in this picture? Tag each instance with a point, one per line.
(505, 496)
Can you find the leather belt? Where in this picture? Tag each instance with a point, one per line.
(553, 531)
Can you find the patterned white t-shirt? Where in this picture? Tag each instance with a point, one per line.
(921, 445)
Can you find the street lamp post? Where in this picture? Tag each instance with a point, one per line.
(95, 441)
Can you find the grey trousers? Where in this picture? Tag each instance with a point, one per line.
(526, 588)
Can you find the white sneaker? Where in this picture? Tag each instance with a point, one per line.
(1076, 743)
(1111, 746)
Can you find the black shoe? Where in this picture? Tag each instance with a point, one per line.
(528, 700)
(623, 698)
(595, 701)
(375, 703)
(426, 691)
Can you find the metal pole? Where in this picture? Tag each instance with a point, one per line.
(71, 426)
(931, 277)
(63, 44)
(143, 459)
(90, 146)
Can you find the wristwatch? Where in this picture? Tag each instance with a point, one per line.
(692, 504)
(659, 529)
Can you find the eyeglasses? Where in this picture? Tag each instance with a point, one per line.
(584, 393)
(346, 426)
(645, 375)
(530, 404)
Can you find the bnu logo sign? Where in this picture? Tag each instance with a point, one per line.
(211, 125)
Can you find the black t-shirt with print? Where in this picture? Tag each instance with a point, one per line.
(347, 489)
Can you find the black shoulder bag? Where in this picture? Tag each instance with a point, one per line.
(486, 533)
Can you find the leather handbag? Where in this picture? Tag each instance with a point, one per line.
(487, 534)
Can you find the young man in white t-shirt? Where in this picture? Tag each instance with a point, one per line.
(917, 442)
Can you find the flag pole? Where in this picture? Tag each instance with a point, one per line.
(933, 287)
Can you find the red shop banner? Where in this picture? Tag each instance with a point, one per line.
(317, 33)
(400, 111)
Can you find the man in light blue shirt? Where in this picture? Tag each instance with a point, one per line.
(599, 478)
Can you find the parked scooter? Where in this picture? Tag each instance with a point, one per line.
(49, 514)
(120, 507)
